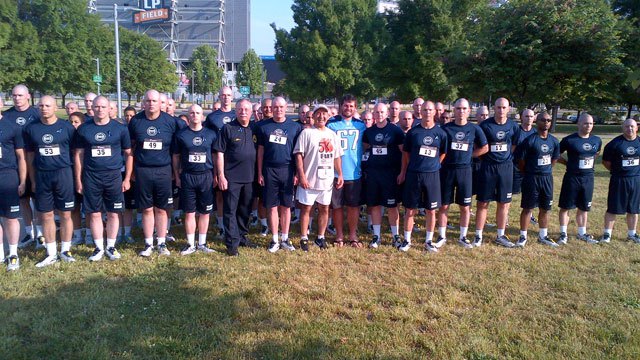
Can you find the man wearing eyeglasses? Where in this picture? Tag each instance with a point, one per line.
(536, 156)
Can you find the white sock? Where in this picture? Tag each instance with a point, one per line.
(608, 231)
(99, 243)
(191, 238)
(542, 233)
(442, 230)
(563, 229)
(52, 249)
(148, 241)
(254, 213)
(263, 222)
(274, 238)
(202, 239)
(429, 236)
(376, 230)
(38, 230)
(13, 250)
(407, 236)
(284, 237)
(66, 246)
(111, 243)
(479, 233)
(394, 230)
(523, 233)
(463, 231)
(29, 231)
(161, 240)
(500, 232)
(582, 230)
(127, 230)
(631, 232)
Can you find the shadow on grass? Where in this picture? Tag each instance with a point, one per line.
(170, 312)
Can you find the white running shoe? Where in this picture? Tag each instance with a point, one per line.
(97, 255)
(148, 250)
(113, 254)
(49, 260)
(274, 247)
(66, 256)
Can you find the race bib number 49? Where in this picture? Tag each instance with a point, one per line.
(152, 145)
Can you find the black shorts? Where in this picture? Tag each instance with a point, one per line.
(175, 191)
(196, 193)
(475, 169)
(458, 182)
(257, 190)
(102, 191)
(348, 195)
(422, 190)
(576, 191)
(516, 188)
(130, 196)
(153, 187)
(381, 188)
(624, 195)
(538, 191)
(495, 182)
(54, 190)
(278, 186)
(9, 199)
(27, 189)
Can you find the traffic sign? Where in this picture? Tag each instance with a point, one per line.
(244, 90)
(97, 79)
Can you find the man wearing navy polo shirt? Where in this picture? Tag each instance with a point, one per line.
(236, 165)
(276, 170)
(424, 148)
(537, 154)
(621, 157)
(98, 145)
(48, 145)
(151, 134)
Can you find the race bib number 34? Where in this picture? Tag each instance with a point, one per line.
(152, 145)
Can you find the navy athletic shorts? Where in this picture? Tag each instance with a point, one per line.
(422, 190)
(102, 191)
(538, 191)
(381, 188)
(517, 181)
(624, 195)
(456, 184)
(495, 182)
(278, 186)
(54, 190)
(9, 199)
(576, 192)
(153, 187)
(196, 193)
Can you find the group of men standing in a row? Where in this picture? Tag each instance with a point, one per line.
(421, 161)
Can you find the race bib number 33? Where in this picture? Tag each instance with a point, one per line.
(197, 158)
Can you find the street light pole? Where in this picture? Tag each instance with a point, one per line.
(97, 60)
(117, 36)
(193, 86)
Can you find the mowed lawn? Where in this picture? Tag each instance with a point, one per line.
(579, 301)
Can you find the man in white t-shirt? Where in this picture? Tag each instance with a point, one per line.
(317, 153)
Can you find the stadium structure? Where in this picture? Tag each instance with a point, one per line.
(182, 25)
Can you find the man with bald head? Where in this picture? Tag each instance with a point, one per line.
(417, 109)
(276, 170)
(22, 114)
(302, 113)
(406, 121)
(102, 148)
(482, 114)
(267, 109)
(257, 112)
(394, 112)
(621, 156)
(151, 134)
(582, 149)
(439, 112)
(497, 172)
(48, 146)
(71, 107)
(88, 105)
(525, 129)
(465, 141)
(194, 172)
(383, 148)
(236, 165)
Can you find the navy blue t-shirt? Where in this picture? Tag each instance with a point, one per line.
(424, 147)
(581, 153)
(180, 123)
(21, 118)
(460, 143)
(500, 139)
(538, 154)
(238, 144)
(217, 119)
(278, 140)
(102, 144)
(152, 139)
(384, 152)
(195, 149)
(51, 144)
(624, 156)
(10, 140)
(521, 134)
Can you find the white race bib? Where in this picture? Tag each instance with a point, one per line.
(50, 150)
(0, 152)
(101, 151)
(544, 160)
(586, 163)
(379, 150)
(459, 146)
(197, 157)
(429, 151)
(152, 145)
(498, 147)
(325, 172)
(629, 162)
(277, 139)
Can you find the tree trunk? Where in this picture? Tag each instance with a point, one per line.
(63, 99)
(554, 115)
(629, 106)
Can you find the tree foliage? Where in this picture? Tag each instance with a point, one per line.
(208, 76)
(250, 72)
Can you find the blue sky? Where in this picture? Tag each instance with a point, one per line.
(263, 13)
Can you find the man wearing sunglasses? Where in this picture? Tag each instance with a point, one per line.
(536, 156)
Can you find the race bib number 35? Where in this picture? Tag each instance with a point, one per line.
(152, 145)
(101, 151)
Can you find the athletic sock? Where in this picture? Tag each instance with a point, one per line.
(463, 231)
(111, 243)
(407, 236)
(99, 243)
(376, 230)
(52, 249)
(429, 236)
(38, 230)
(500, 232)
(66, 246)
(13, 250)
(202, 239)
(563, 229)
(148, 241)
(191, 238)
(479, 233)
(582, 230)
(394, 230)
(523, 233)
(442, 231)
(542, 233)
(631, 232)
(161, 241)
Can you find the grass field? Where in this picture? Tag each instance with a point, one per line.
(578, 301)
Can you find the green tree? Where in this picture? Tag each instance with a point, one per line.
(208, 76)
(331, 50)
(250, 72)
(144, 65)
(629, 13)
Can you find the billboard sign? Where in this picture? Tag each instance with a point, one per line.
(151, 4)
(157, 15)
